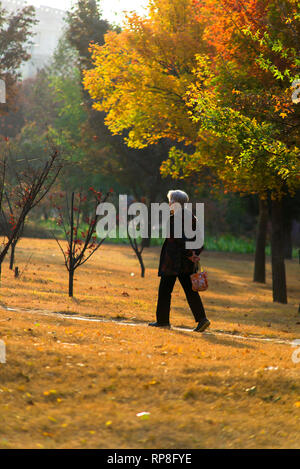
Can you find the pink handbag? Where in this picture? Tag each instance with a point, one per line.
(199, 281)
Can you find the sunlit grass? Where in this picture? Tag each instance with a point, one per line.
(80, 384)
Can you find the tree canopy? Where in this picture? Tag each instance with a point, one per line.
(15, 36)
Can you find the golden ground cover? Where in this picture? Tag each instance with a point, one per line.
(72, 384)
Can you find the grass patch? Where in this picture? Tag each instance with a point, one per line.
(76, 384)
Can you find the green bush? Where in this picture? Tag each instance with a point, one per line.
(222, 243)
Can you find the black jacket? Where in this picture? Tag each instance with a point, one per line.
(174, 255)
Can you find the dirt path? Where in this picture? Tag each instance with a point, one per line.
(211, 332)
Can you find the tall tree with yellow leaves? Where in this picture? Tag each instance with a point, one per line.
(216, 77)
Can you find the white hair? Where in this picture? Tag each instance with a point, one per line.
(178, 197)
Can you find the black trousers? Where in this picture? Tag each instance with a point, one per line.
(166, 286)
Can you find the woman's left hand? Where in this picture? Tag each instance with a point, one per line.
(194, 258)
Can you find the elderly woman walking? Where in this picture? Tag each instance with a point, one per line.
(178, 262)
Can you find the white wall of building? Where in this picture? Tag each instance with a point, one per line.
(47, 33)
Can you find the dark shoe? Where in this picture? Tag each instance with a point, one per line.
(157, 324)
(202, 325)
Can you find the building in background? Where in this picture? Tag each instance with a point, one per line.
(47, 31)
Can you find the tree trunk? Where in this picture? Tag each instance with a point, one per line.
(71, 261)
(71, 282)
(140, 258)
(287, 239)
(260, 250)
(278, 266)
(146, 242)
(45, 214)
(12, 256)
